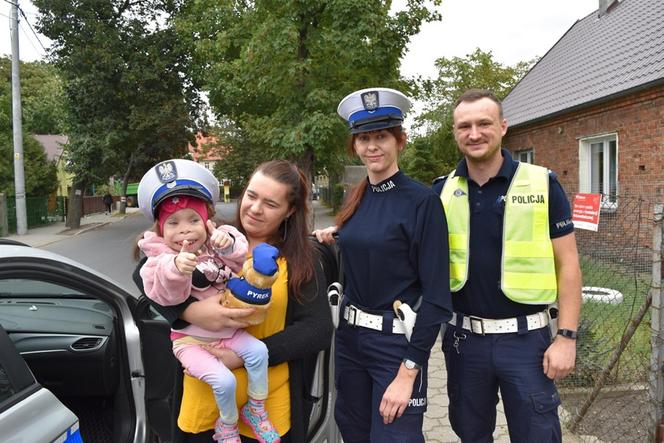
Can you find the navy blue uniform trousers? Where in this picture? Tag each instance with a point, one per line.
(478, 366)
(366, 362)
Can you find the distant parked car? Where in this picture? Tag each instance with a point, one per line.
(97, 354)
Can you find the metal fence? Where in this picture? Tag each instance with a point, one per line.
(610, 395)
(44, 210)
(40, 211)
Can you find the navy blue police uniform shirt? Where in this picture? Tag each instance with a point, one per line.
(481, 296)
(393, 248)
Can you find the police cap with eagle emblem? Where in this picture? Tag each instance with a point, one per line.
(373, 109)
(175, 177)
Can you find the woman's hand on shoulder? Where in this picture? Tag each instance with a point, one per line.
(211, 315)
(326, 235)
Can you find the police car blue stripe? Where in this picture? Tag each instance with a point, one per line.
(73, 435)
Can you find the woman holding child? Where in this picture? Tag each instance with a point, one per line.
(273, 209)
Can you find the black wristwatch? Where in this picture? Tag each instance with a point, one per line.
(568, 333)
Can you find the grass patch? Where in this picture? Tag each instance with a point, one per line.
(602, 325)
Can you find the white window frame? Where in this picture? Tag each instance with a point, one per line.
(609, 202)
(529, 153)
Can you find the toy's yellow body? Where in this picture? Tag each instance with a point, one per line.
(254, 278)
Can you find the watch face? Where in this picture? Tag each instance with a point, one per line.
(409, 364)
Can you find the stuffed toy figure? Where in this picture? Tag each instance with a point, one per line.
(254, 288)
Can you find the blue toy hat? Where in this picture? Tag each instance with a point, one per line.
(265, 259)
(373, 109)
(175, 177)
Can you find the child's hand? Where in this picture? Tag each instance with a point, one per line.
(219, 239)
(185, 261)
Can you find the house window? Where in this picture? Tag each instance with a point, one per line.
(525, 156)
(207, 165)
(598, 168)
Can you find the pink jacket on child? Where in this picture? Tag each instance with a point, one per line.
(167, 286)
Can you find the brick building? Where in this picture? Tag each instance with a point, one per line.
(592, 109)
(207, 150)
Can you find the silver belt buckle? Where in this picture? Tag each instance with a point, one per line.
(352, 315)
(476, 320)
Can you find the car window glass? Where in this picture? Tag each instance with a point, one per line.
(16, 288)
(6, 388)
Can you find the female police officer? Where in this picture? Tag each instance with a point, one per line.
(393, 240)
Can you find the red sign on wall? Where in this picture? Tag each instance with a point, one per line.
(585, 211)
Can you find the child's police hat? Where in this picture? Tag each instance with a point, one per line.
(175, 177)
(373, 109)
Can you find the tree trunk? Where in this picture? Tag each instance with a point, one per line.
(75, 205)
(125, 181)
(306, 163)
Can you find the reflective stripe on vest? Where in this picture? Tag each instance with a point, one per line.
(527, 264)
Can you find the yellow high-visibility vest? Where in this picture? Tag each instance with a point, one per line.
(528, 270)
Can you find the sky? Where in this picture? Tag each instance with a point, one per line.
(513, 30)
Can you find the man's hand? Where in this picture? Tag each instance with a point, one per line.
(185, 261)
(211, 315)
(559, 358)
(218, 238)
(396, 396)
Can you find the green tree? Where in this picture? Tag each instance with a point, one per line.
(40, 174)
(455, 75)
(124, 78)
(240, 161)
(277, 69)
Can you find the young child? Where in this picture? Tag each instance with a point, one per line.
(188, 255)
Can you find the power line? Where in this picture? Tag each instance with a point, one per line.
(27, 37)
(31, 28)
(11, 3)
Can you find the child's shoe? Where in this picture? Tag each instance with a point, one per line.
(226, 433)
(254, 415)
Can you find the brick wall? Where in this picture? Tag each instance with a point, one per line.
(637, 119)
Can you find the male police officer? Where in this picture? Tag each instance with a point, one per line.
(512, 252)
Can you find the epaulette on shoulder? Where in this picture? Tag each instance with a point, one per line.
(439, 179)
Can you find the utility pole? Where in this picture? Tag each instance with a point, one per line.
(19, 175)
